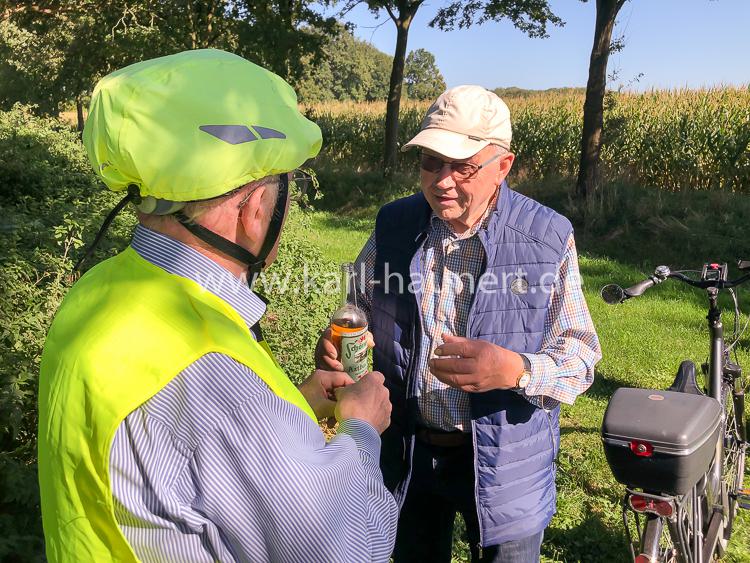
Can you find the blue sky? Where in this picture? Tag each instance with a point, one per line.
(672, 43)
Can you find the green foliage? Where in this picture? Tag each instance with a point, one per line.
(50, 199)
(301, 287)
(422, 76)
(529, 16)
(26, 64)
(516, 92)
(280, 34)
(348, 69)
(352, 133)
(57, 53)
(54, 54)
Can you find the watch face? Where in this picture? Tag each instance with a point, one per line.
(523, 381)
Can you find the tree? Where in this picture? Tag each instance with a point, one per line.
(349, 69)
(279, 34)
(593, 108)
(87, 39)
(83, 40)
(423, 78)
(530, 16)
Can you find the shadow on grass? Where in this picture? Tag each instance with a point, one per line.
(578, 430)
(589, 541)
(647, 226)
(603, 387)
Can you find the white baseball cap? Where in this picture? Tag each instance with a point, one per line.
(462, 121)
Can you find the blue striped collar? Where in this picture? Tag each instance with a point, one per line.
(179, 259)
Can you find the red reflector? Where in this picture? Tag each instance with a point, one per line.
(643, 559)
(637, 503)
(654, 506)
(643, 449)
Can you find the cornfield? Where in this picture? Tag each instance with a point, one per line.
(674, 140)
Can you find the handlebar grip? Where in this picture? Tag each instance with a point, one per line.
(639, 288)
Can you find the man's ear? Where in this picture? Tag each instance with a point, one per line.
(506, 161)
(252, 215)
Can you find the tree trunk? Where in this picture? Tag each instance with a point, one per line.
(593, 107)
(79, 114)
(390, 154)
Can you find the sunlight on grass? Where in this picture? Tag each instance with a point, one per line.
(643, 340)
(340, 238)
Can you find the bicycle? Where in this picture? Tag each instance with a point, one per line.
(680, 452)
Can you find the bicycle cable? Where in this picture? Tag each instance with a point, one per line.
(737, 334)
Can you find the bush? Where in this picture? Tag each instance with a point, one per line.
(49, 199)
(298, 312)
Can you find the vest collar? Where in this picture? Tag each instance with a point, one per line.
(179, 259)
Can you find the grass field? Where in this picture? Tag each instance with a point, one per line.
(643, 342)
(687, 151)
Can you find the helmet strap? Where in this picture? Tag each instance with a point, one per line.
(134, 196)
(255, 264)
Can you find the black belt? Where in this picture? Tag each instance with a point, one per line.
(443, 438)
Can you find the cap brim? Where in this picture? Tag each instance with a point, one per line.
(446, 143)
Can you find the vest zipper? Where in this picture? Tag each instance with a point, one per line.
(476, 484)
(475, 452)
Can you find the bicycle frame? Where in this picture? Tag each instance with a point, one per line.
(715, 376)
(700, 515)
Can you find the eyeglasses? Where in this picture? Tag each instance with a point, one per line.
(303, 188)
(459, 170)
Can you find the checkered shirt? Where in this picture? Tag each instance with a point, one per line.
(561, 370)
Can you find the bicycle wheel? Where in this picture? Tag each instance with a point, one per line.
(733, 464)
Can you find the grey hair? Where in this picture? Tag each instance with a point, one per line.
(194, 209)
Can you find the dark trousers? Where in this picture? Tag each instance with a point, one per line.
(442, 484)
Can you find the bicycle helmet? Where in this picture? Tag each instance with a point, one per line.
(194, 126)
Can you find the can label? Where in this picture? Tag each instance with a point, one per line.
(354, 353)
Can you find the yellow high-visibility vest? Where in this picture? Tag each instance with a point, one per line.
(121, 334)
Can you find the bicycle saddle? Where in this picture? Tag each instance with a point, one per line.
(685, 381)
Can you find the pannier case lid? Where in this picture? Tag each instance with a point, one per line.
(672, 422)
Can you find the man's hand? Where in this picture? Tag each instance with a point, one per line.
(366, 400)
(326, 354)
(475, 365)
(319, 390)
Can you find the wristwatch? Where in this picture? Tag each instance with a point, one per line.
(525, 376)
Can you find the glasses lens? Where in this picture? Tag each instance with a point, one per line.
(304, 188)
(464, 170)
(431, 163)
(302, 180)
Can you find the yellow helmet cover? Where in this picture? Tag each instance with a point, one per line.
(195, 125)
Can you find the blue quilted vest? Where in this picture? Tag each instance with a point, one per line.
(515, 443)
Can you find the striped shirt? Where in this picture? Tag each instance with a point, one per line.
(561, 370)
(216, 467)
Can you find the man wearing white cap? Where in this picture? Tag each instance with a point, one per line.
(481, 331)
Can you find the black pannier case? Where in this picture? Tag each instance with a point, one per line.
(681, 428)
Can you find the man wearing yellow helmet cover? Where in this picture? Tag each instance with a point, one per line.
(167, 431)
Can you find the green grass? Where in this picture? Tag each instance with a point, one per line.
(340, 237)
(643, 341)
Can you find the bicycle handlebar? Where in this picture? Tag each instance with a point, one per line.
(614, 294)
